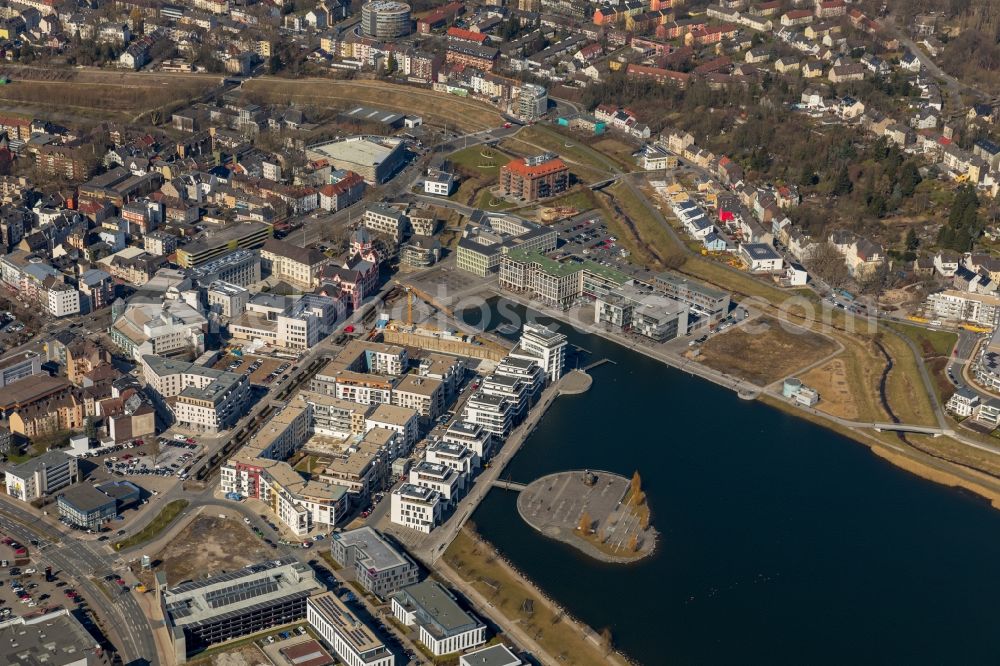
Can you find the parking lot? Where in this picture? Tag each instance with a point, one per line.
(588, 236)
(262, 370)
(24, 590)
(162, 458)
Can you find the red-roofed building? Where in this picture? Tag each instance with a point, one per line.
(440, 18)
(797, 17)
(343, 193)
(658, 75)
(831, 8)
(711, 35)
(606, 15)
(533, 178)
(462, 35)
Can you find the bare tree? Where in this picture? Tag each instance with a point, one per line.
(826, 262)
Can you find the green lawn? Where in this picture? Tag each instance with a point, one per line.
(930, 342)
(484, 202)
(166, 516)
(473, 159)
(582, 199)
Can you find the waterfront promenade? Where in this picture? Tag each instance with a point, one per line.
(430, 547)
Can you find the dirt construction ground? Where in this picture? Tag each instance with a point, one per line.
(830, 379)
(435, 107)
(765, 351)
(209, 545)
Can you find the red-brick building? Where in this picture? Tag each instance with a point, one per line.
(533, 178)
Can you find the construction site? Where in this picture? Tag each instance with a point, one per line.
(414, 318)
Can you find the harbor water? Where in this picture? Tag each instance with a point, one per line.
(781, 542)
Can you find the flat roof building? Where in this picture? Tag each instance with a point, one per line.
(494, 655)
(374, 158)
(353, 641)
(245, 236)
(41, 476)
(378, 566)
(217, 609)
(416, 507)
(704, 301)
(442, 625)
(54, 639)
(88, 507)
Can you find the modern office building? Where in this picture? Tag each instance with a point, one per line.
(532, 101)
(212, 610)
(557, 283)
(488, 236)
(651, 315)
(286, 322)
(19, 366)
(228, 300)
(378, 566)
(88, 507)
(42, 476)
(532, 178)
(705, 302)
(54, 638)
(165, 328)
(443, 626)
(386, 19)
(387, 220)
(239, 267)
(353, 641)
(239, 236)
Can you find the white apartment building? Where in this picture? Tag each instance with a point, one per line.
(439, 183)
(514, 390)
(492, 412)
(204, 398)
(401, 420)
(544, 346)
(62, 300)
(441, 478)
(982, 309)
(416, 507)
(471, 435)
(458, 457)
(41, 476)
(354, 642)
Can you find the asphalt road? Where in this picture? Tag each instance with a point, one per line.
(79, 561)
